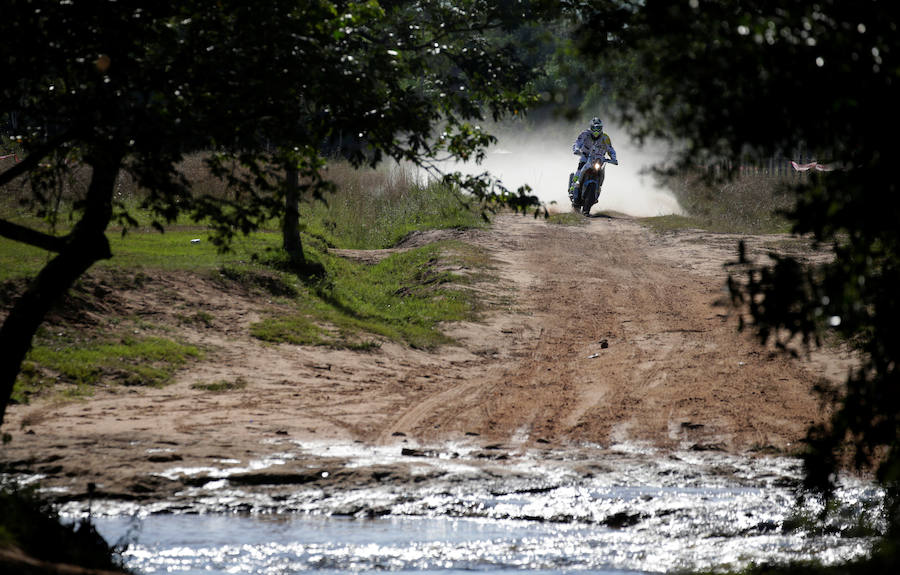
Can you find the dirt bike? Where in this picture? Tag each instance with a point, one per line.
(587, 192)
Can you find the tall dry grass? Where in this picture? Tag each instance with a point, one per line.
(376, 208)
(369, 208)
(745, 204)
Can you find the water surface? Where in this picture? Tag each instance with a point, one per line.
(610, 511)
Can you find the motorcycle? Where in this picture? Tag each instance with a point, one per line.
(586, 194)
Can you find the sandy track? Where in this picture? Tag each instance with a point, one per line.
(674, 372)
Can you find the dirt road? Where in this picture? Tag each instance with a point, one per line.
(612, 333)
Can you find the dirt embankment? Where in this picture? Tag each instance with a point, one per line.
(613, 333)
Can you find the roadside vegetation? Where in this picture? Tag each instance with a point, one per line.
(748, 204)
(403, 298)
(334, 301)
(73, 365)
(374, 209)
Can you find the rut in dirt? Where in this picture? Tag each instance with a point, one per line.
(624, 335)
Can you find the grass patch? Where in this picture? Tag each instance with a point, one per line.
(146, 249)
(81, 364)
(297, 328)
(404, 297)
(221, 385)
(19, 260)
(175, 249)
(674, 222)
(260, 279)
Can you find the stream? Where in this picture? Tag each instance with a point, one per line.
(623, 509)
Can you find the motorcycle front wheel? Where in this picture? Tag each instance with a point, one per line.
(588, 197)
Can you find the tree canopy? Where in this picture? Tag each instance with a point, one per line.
(133, 86)
(721, 79)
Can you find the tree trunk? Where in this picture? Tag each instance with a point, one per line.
(84, 246)
(290, 228)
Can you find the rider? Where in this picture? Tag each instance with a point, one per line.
(591, 139)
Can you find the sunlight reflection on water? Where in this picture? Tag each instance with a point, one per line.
(253, 544)
(631, 512)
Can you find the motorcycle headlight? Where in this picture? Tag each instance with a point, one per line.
(597, 166)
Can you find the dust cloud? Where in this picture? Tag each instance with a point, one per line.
(542, 158)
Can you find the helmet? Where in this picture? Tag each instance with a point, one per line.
(596, 127)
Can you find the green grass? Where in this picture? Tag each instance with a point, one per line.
(221, 385)
(335, 302)
(78, 364)
(673, 222)
(403, 298)
(296, 328)
(20, 261)
(174, 250)
(148, 249)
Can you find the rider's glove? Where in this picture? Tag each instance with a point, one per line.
(614, 162)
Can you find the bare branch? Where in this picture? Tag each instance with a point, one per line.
(20, 233)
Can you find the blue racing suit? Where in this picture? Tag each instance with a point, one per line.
(584, 142)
